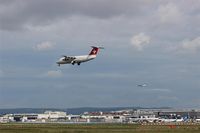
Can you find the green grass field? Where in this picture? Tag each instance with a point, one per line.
(97, 128)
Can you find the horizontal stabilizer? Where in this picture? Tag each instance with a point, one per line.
(97, 47)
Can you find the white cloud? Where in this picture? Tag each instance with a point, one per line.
(140, 40)
(191, 45)
(54, 74)
(44, 46)
(169, 13)
(188, 46)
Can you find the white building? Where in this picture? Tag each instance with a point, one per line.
(52, 115)
(6, 118)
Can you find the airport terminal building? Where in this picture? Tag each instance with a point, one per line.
(121, 116)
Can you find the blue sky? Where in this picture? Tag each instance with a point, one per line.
(146, 41)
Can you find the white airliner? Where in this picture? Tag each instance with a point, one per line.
(142, 85)
(79, 59)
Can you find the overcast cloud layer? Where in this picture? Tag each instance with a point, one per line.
(146, 41)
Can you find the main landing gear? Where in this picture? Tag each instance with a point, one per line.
(78, 63)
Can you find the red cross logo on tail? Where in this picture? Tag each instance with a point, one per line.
(94, 51)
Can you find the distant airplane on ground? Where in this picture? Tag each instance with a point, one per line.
(79, 59)
(142, 85)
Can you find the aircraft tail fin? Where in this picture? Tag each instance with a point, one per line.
(95, 50)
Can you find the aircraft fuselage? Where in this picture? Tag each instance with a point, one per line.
(78, 59)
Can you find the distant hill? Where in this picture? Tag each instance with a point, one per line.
(69, 110)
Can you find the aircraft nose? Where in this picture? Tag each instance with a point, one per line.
(58, 62)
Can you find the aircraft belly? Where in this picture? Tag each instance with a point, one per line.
(64, 62)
